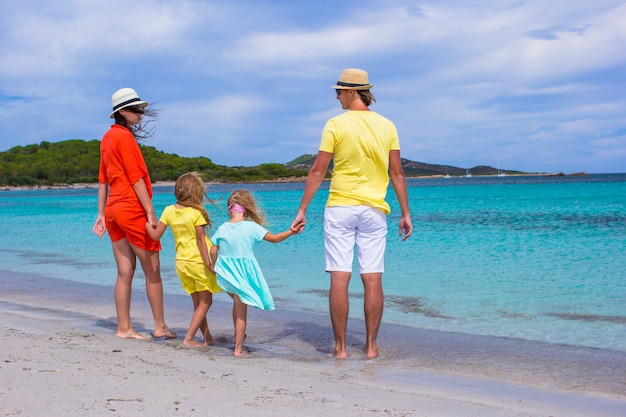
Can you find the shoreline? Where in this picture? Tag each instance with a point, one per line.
(288, 180)
(59, 343)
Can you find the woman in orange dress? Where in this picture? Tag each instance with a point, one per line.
(124, 207)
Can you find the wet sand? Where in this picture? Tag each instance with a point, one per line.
(60, 357)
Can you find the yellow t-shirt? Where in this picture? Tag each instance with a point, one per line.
(360, 142)
(193, 274)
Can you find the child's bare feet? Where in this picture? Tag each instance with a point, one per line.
(131, 334)
(242, 352)
(192, 342)
(165, 332)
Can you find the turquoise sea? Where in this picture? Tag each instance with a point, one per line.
(535, 258)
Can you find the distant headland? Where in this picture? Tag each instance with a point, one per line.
(74, 164)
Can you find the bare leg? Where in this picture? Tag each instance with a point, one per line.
(339, 308)
(126, 262)
(204, 327)
(373, 305)
(241, 313)
(234, 314)
(202, 302)
(154, 289)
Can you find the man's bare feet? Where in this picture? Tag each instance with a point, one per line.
(339, 353)
(131, 335)
(371, 349)
(371, 354)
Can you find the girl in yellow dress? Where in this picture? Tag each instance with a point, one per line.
(188, 220)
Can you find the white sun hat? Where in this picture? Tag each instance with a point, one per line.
(125, 97)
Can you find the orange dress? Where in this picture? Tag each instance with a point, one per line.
(121, 166)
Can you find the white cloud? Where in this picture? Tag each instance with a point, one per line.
(466, 84)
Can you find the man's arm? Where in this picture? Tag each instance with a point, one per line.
(398, 180)
(317, 173)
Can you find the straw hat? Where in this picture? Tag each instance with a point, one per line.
(125, 97)
(353, 79)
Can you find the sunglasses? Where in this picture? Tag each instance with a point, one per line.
(136, 109)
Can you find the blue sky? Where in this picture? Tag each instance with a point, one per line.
(538, 85)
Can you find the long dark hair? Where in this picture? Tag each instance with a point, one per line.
(143, 130)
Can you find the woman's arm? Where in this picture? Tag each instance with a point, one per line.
(99, 226)
(141, 189)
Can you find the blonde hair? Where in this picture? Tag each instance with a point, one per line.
(190, 192)
(244, 198)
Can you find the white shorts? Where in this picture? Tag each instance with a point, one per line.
(347, 226)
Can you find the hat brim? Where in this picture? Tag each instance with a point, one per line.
(134, 103)
(360, 87)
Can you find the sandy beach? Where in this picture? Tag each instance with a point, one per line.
(60, 358)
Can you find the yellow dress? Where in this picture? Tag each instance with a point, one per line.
(191, 270)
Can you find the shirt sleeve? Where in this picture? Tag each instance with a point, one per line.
(165, 216)
(395, 142)
(198, 218)
(259, 232)
(329, 137)
(132, 159)
(215, 239)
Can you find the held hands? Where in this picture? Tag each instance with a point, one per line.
(152, 220)
(298, 223)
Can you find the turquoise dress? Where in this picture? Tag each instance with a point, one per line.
(236, 268)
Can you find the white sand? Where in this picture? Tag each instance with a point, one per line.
(61, 358)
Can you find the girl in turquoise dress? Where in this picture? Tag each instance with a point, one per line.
(188, 220)
(237, 270)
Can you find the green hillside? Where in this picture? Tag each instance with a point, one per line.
(76, 161)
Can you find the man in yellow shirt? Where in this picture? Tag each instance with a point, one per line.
(365, 150)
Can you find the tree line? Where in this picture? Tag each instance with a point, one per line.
(77, 161)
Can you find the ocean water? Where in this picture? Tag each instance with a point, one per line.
(535, 258)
